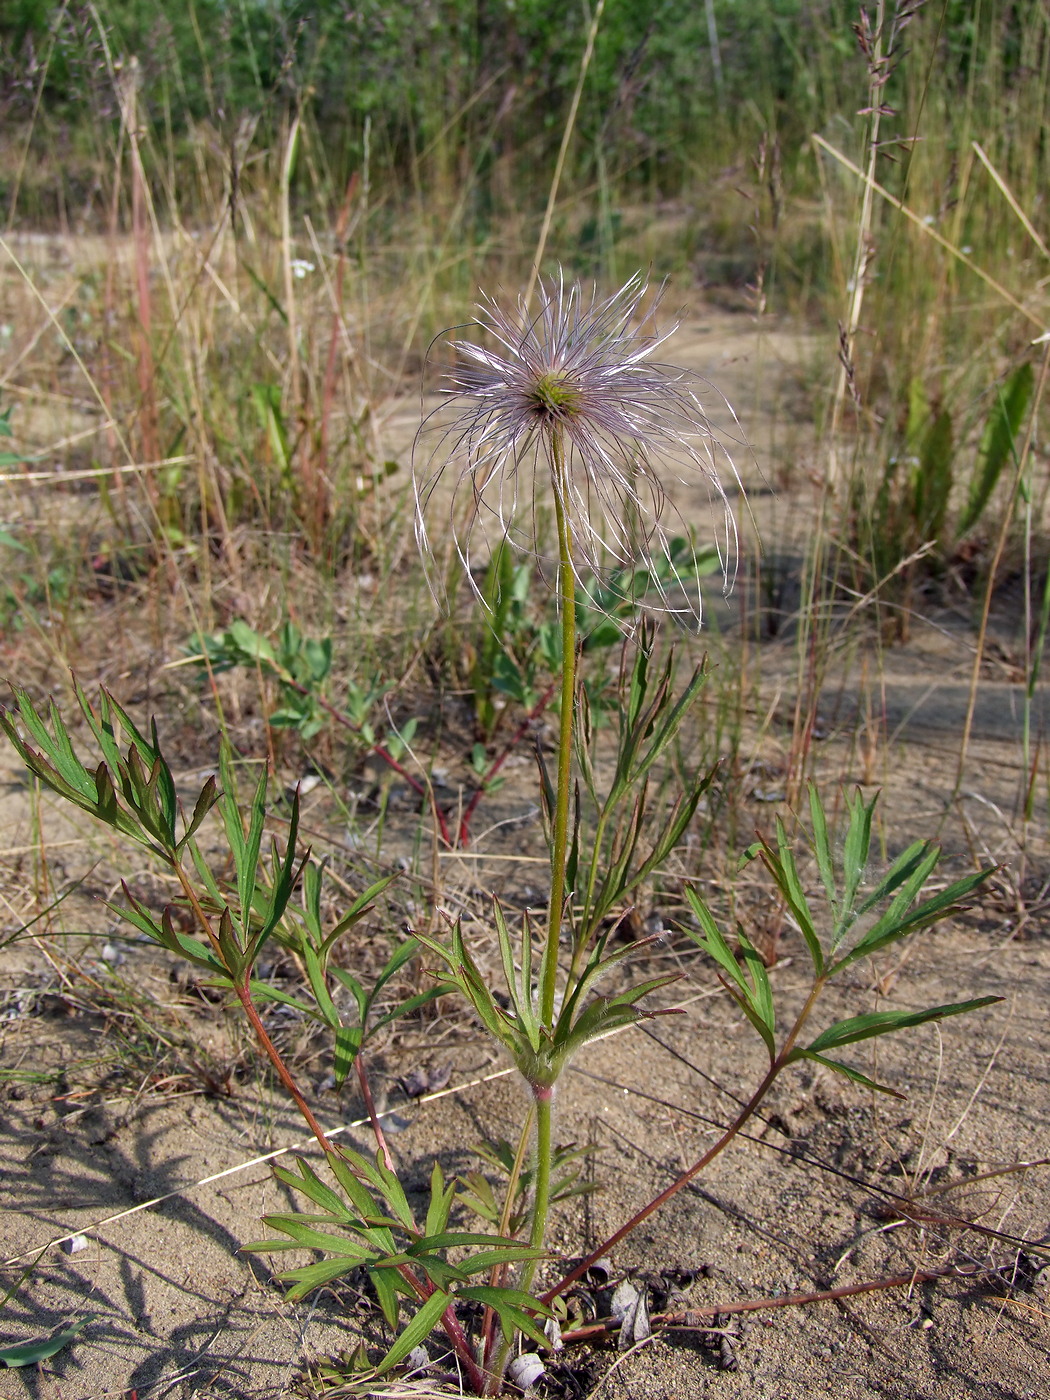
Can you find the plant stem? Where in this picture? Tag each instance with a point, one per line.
(543, 1093)
(543, 1097)
(727, 1137)
(544, 1149)
(559, 846)
(422, 1287)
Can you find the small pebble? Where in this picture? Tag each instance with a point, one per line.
(74, 1244)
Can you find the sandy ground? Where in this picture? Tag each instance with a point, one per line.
(163, 1182)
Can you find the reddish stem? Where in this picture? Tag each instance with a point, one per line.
(370, 1109)
(691, 1317)
(497, 763)
(283, 1073)
(380, 752)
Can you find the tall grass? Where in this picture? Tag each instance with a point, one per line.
(277, 208)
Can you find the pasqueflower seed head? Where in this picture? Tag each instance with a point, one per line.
(574, 380)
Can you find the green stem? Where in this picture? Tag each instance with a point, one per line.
(559, 848)
(543, 1093)
(543, 1097)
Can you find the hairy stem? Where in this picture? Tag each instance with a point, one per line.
(543, 1097)
(560, 843)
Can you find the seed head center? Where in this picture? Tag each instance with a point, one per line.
(555, 395)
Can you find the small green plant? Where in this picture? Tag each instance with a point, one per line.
(574, 390)
(910, 532)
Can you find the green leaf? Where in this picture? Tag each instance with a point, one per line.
(997, 442)
(931, 911)
(901, 870)
(854, 855)
(346, 1050)
(311, 1276)
(386, 1295)
(361, 906)
(850, 1073)
(311, 1185)
(781, 865)
(509, 1305)
(932, 479)
(509, 1254)
(29, 1353)
(207, 799)
(441, 1199)
(417, 1331)
(755, 997)
(296, 1229)
(875, 1023)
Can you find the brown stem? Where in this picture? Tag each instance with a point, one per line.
(727, 1137)
(274, 1056)
(497, 763)
(691, 1317)
(449, 1321)
(370, 1109)
(380, 752)
(241, 987)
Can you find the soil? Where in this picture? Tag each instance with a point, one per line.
(153, 1148)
